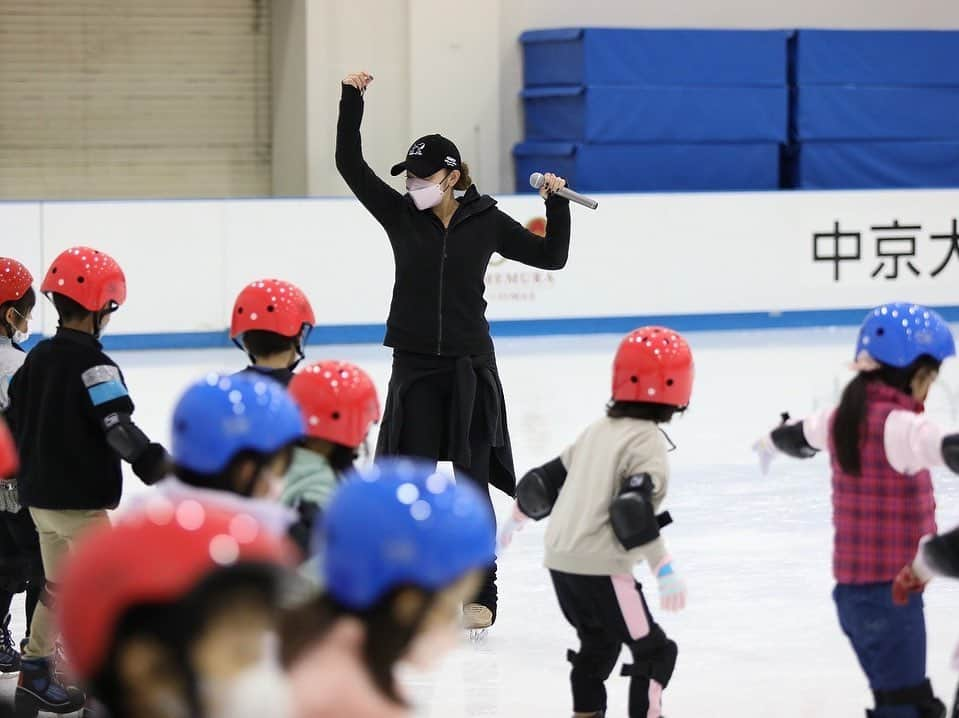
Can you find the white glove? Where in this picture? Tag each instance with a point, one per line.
(766, 451)
(516, 521)
(672, 589)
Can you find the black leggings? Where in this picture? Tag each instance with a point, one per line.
(424, 434)
(20, 548)
(609, 612)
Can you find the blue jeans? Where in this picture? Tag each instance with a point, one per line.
(889, 640)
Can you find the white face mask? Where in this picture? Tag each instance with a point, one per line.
(20, 337)
(259, 690)
(425, 194)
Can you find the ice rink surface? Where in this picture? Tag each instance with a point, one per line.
(759, 637)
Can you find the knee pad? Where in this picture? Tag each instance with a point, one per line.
(920, 696)
(657, 666)
(594, 662)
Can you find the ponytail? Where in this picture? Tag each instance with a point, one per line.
(465, 181)
(847, 424)
(851, 412)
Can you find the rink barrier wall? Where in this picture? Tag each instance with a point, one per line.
(373, 333)
(692, 261)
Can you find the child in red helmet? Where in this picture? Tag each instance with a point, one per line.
(191, 630)
(603, 495)
(71, 415)
(20, 565)
(271, 322)
(339, 404)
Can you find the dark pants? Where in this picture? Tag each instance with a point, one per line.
(890, 643)
(425, 434)
(609, 612)
(23, 566)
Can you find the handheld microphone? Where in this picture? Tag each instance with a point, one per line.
(537, 180)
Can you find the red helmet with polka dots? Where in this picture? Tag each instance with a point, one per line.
(655, 365)
(271, 305)
(15, 280)
(191, 541)
(338, 401)
(9, 462)
(91, 278)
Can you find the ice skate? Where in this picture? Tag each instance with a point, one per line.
(39, 690)
(477, 620)
(9, 655)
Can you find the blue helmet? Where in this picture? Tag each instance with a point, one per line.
(222, 415)
(899, 333)
(399, 522)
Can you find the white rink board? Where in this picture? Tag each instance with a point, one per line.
(637, 255)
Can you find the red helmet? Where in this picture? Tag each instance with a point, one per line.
(157, 555)
(89, 277)
(338, 401)
(653, 364)
(9, 462)
(271, 305)
(15, 280)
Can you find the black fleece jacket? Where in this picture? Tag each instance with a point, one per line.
(438, 306)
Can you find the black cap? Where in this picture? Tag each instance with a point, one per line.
(429, 155)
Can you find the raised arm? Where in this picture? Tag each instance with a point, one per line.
(382, 201)
(516, 242)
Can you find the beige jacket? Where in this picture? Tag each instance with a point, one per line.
(580, 538)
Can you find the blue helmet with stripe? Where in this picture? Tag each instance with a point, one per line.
(400, 523)
(222, 415)
(899, 333)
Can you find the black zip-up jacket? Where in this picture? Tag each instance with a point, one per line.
(64, 398)
(438, 306)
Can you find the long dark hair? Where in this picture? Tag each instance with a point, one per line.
(851, 413)
(386, 641)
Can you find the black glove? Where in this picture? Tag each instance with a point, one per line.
(152, 464)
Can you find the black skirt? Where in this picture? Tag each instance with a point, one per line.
(474, 411)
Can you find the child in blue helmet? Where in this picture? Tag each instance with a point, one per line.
(881, 447)
(401, 548)
(233, 437)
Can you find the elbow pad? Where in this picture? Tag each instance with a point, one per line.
(125, 437)
(942, 554)
(149, 460)
(537, 491)
(632, 514)
(950, 452)
(790, 439)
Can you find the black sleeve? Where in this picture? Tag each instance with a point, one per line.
(111, 408)
(942, 553)
(516, 242)
(382, 201)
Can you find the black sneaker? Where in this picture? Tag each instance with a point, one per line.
(9, 655)
(39, 690)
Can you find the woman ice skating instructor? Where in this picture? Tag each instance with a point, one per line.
(445, 401)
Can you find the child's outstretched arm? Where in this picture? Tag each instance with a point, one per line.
(798, 439)
(536, 493)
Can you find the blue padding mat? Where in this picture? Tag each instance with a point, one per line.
(877, 57)
(652, 168)
(830, 112)
(876, 165)
(608, 114)
(591, 56)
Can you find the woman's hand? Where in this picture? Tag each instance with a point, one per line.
(359, 80)
(550, 185)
